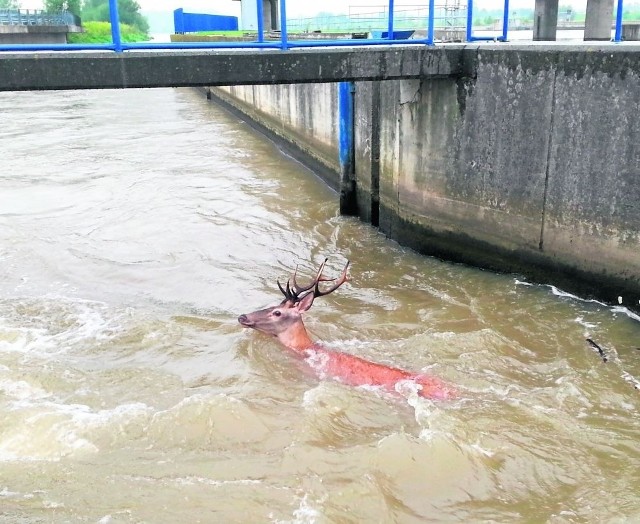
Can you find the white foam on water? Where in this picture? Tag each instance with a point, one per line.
(52, 324)
(410, 390)
(50, 504)
(305, 513)
(565, 294)
(583, 322)
(626, 311)
(318, 361)
(628, 377)
(311, 397)
(5, 493)
(25, 340)
(614, 309)
(21, 390)
(479, 449)
(50, 430)
(190, 481)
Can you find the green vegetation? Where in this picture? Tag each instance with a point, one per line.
(9, 4)
(100, 33)
(97, 29)
(95, 18)
(128, 10)
(55, 6)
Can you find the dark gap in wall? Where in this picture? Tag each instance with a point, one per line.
(375, 155)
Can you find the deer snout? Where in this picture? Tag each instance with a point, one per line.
(244, 320)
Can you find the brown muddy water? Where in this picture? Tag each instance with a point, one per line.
(135, 226)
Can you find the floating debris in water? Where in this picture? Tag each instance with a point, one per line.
(600, 350)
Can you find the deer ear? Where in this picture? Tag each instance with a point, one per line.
(305, 302)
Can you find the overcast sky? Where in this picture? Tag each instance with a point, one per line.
(300, 8)
(295, 8)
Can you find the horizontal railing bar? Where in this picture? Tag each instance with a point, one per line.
(275, 44)
(372, 42)
(56, 47)
(203, 45)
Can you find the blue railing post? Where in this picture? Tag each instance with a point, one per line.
(283, 24)
(115, 26)
(118, 45)
(469, 19)
(432, 19)
(618, 34)
(348, 205)
(505, 20)
(259, 11)
(505, 24)
(390, 26)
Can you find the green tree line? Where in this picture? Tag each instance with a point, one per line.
(98, 11)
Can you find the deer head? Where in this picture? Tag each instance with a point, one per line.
(284, 321)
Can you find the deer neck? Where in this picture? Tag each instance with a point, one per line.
(296, 337)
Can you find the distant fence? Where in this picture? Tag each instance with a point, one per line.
(447, 16)
(194, 22)
(37, 17)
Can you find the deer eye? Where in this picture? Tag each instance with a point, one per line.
(277, 313)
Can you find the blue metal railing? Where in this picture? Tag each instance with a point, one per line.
(505, 24)
(618, 33)
(450, 18)
(284, 43)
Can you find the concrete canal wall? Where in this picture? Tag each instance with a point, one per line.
(526, 160)
(303, 118)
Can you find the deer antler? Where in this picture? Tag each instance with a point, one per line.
(338, 281)
(294, 290)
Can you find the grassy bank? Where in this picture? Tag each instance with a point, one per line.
(100, 33)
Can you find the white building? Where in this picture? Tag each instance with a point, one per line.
(249, 15)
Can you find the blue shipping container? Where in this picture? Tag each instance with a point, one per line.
(194, 22)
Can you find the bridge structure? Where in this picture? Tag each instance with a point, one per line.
(262, 61)
(32, 17)
(32, 26)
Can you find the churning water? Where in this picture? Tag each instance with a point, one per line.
(136, 225)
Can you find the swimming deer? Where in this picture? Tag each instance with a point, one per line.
(284, 321)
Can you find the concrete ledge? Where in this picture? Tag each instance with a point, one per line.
(198, 68)
(36, 34)
(38, 29)
(201, 68)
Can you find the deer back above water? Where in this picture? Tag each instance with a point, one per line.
(284, 321)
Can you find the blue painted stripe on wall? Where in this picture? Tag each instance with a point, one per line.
(345, 109)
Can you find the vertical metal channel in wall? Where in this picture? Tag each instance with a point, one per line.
(375, 154)
(346, 151)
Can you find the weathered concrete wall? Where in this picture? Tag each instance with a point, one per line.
(36, 34)
(531, 165)
(305, 116)
(528, 161)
